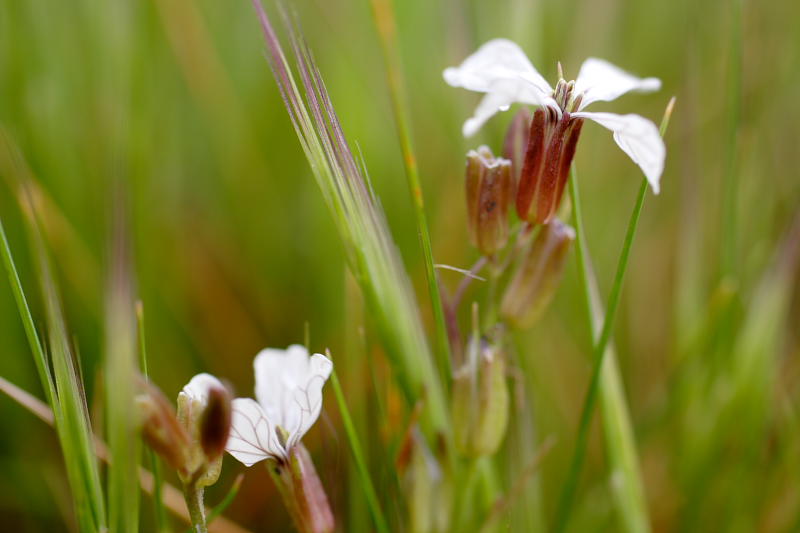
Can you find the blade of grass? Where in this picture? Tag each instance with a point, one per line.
(358, 456)
(731, 178)
(121, 372)
(626, 482)
(383, 14)
(66, 391)
(600, 347)
(173, 498)
(155, 465)
(371, 253)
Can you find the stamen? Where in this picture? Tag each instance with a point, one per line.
(575, 105)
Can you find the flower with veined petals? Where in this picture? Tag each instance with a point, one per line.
(501, 70)
(289, 393)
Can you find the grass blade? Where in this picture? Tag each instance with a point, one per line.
(600, 349)
(383, 13)
(155, 465)
(121, 373)
(358, 456)
(372, 255)
(66, 392)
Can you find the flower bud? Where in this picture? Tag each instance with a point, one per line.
(548, 157)
(427, 488)
(215, 425)
(516, 141)
(489, 191)
(302, 492)
(480, 400)
(161, 429)
(537, 277)
(204, 411)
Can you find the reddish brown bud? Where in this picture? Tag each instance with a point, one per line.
(551, 148)
(489, 191)
(516, 141)
(215, 425)
(538, 276)
(161, 429)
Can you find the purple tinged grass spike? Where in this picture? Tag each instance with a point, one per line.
(371, 253)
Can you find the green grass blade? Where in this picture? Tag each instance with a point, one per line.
(731, 178)
(121, 373)
(600, 348)
(358, 456)
(383, 14)
(67, 392)
(626, 479)
(155, 465)
(371, 252)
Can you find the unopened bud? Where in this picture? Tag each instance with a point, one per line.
(204, 392)
(215, 425)
(489, 189)
(538, 276)
(516, 141)
(161, 429)
(302, 492)
(548, 157)
(480, 400)
(427, 488)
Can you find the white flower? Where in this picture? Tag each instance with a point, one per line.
(289, 393)
(501, 70)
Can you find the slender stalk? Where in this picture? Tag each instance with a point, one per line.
(194, 501)
(599, 351)
(623, 460)
(27, 319)
(383, 14)
(731, 179)
(358, 456)
(158, 502)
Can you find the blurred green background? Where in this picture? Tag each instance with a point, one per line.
(235, 250)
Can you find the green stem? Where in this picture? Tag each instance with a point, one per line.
(158, 501)
(622, 457)
(599, 351)
(384, 21)
(358, 455)
(731, 183)
(194, 501)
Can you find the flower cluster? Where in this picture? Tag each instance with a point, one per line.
(501, 70)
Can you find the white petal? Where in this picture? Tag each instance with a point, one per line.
(252, 437)
(198, 387)
(639, 138)
(500, 69)
(497, 59)
(500, 96)
(289, 387)
(599, 80)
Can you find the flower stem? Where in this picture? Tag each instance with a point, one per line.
(383, 14)
(581, 443)
(194, 501)
(361, 464)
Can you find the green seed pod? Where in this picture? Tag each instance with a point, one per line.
(480, 400)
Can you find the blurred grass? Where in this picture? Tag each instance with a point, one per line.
(234, 250)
